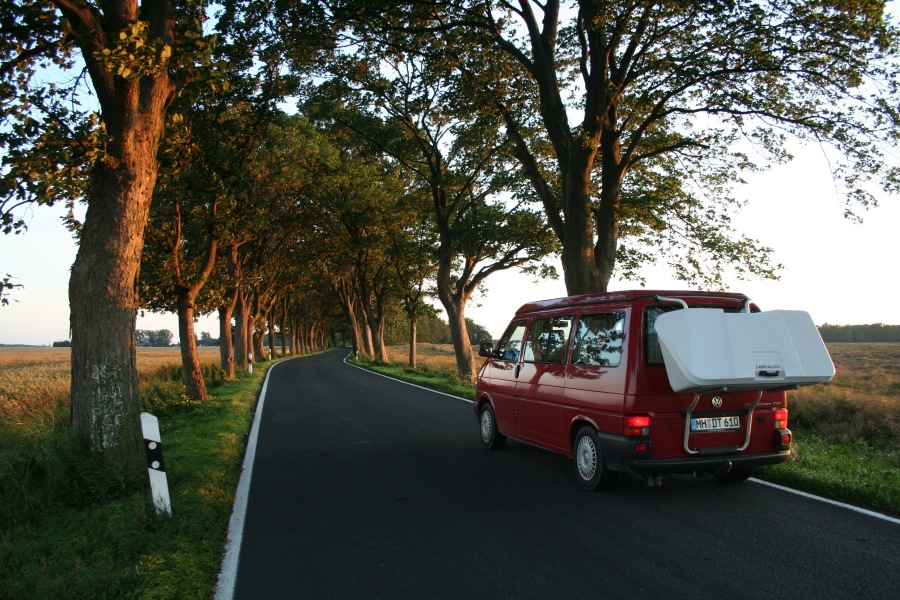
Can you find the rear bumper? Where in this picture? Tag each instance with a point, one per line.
(620, 456)
(712, 464)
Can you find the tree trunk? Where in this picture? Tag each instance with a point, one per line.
(241, 341)
(368, 344)
(348, 303)
(103, 296)
(459, 333)
(413, 334)
(105, 408)
(295, 350)
(226, 344)
(195, 387)
(259, 349)
(284, 310)
(374, 311)
(271, 335)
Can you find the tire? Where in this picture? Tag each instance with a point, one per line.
(735, 475)
(491, 437)
(590, 468)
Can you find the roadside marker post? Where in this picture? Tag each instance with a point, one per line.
(159, 484)
(250, 363)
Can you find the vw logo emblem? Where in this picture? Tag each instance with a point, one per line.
(717, 401)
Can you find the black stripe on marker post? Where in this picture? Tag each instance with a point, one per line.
(154, 453)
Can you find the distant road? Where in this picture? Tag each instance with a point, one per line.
(364, 487)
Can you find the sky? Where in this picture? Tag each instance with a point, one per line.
(838, 271)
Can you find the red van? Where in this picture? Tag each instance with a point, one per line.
(586, 376)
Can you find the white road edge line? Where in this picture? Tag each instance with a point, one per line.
(864, 511)
(869, 513)
(228, 572)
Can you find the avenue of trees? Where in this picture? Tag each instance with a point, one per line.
(299, 168)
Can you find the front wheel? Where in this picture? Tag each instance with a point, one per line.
(590, 469)
(490, 435)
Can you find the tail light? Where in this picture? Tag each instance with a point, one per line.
(637, 425)
(781, 418)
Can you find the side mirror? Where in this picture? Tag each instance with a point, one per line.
(486, 350)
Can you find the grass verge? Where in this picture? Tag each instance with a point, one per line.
(853, 473)
(442, 380)
(74, 529)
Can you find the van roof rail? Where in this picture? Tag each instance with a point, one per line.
(673, 300)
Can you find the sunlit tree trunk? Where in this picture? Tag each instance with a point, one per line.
(103, 297)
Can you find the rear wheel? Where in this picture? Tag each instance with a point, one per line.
(735, 475)
(490, 435)
(590, 468)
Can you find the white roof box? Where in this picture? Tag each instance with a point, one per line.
(707, 349)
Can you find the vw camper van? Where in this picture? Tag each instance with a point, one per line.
(649, 383)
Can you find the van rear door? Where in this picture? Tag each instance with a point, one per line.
(708, 424)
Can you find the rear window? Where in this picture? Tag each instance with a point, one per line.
(652, 352)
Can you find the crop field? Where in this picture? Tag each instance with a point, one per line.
(861, 403)
(34, 381)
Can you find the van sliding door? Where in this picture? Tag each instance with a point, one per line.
(540, 386)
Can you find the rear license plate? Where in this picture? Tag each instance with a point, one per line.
(715, 423)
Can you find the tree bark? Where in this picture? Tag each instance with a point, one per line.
(284, 310)
(459, 333)
(271, 321)
(413, 334)
(194, 385)
(242, 347)
(103, 297)
(346, 299)
(226, 344)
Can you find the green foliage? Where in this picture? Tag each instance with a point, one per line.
(634, 121)
(132, 55)
(150, 337)
(6, 285)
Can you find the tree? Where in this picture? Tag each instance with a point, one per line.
(409, 107)
(155, 338)
(410, 253)
(135, 58)
(647, 111)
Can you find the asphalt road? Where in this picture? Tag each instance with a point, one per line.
(364, 487)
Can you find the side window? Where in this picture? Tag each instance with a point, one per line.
(548, 340)
(599, 339)
(510, 344)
